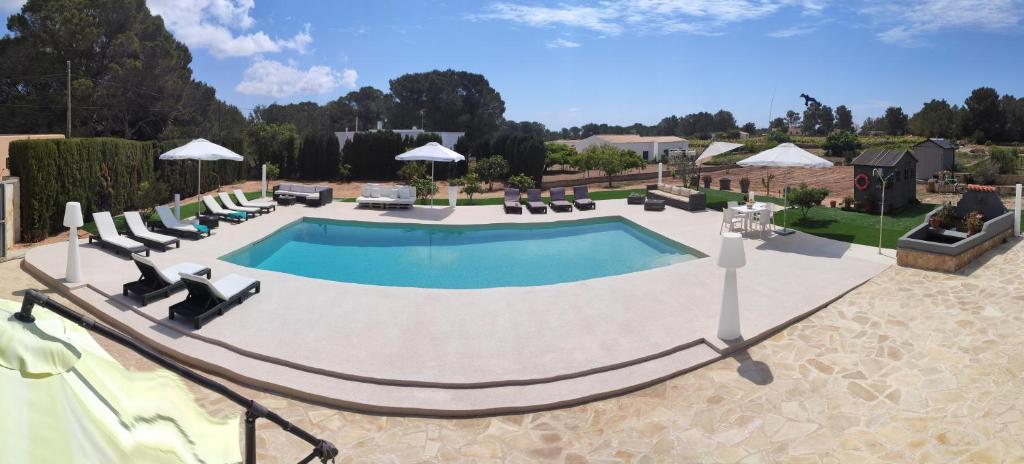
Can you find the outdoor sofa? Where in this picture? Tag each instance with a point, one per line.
(678, 197)
(383, 196)
(155, 282)
(138, 231)
(207, 300)
(311, 195)
(111, 239)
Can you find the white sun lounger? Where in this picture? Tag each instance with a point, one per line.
(174, 226)
(138, 230)
(264, 205)
(110, 238)
(214, 208)
(230, 204)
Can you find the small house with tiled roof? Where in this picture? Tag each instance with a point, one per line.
(899, 166)
(934, 156)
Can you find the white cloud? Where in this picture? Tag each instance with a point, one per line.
(792, 32)
(213, 25)
(276, 79)
(905, 22)
(562, 43)
(614, 17)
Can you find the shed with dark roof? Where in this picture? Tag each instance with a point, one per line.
(934, 156)
(898, 166)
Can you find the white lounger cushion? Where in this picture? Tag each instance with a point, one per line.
(139, 229)
(108, 232)
(213, 206)
(172, 222)
(226, 199)
(171, 275)
(225, 288)
(242, 200)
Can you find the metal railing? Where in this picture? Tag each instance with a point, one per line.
(322, 449)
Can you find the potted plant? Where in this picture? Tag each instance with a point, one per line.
(453, 190)
(944, 217)
(847, 202)
(832, 203)
(707, 181)
(694, 181)
(744, 185)
(974, 223)
(725, 183)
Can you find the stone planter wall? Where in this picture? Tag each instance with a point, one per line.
(913, 250)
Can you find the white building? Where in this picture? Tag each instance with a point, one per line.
(650, 148)
(448, 139)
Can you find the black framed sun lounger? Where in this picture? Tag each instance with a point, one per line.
(512, 201)
(582, 198)
(230, 204)
(111, 239)
(138, 231)
(155, 282)
(558, 202)
(534, 203)
(207, 300)
(214, 208)
(173, 226)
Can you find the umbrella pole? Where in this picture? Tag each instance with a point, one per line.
(785, 206)
(199, 187)
(432, 184)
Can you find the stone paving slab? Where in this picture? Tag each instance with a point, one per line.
(444, 338)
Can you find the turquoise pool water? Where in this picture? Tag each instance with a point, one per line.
(477, 256)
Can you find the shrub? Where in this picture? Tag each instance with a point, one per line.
(491, 169)
(521, 182)
(411, 170)
(947, 215)
(372, 154)
(345, 172)
(152, 193)
(805, 198)
(848, 202)
(779, 137)
(424, 187)
(842, 143)
(1004, 159)
(471, 186)
(273, 172)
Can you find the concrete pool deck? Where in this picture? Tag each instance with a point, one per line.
(472, 352)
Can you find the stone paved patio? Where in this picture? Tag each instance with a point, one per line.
(911, 367)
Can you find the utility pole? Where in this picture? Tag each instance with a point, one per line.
(69, 100)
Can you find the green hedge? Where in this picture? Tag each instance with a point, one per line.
(103, 174)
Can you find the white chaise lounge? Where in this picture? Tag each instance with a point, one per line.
(230, 204)
(383, 196)
(214, 208)
(266, 206)
(110, 238)
(138, 230)
(174, 226)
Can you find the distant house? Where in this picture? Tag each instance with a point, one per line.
(901, 187)
(795, 130)
(744, 135)
(448, 139)
(934, 156)
(650, 148)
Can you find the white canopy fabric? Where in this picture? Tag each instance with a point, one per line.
(65, 399)
(433, 152)
(715, 149)
(786, 155)
(201, 150)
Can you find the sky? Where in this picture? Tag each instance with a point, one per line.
(567, 62)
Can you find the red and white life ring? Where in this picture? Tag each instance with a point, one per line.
(862, 182)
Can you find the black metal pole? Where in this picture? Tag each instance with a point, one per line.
(322, 449)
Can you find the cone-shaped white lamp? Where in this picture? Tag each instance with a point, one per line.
(73, 220)
(731, 257)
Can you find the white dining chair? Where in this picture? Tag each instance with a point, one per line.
(733, 204)
(732, 218)
(764, 220)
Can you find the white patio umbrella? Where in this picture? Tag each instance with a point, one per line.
(786, 155)
(65, 399)
(201, 150)
(715, 149)
(433, 152)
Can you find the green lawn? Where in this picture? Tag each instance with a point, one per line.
(856, 227)
(187, 210)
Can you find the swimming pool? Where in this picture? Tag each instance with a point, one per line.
(461, 257)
